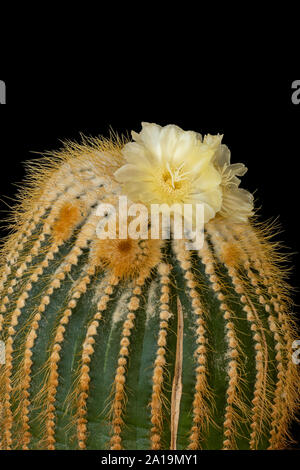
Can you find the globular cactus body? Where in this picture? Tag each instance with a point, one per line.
(138, 344)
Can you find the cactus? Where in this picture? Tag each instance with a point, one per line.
(140, 343)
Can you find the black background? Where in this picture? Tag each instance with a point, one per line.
(256, 115)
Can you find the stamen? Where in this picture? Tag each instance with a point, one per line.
(175, 174)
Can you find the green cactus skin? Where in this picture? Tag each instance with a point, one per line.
(189, 350)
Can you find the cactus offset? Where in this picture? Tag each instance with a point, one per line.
(140, 344)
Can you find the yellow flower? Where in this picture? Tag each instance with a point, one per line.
(237, 203)
(171, 166)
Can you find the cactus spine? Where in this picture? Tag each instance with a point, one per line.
(138, 344)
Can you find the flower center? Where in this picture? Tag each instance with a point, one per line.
(173, 178)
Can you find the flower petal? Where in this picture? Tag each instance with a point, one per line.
(222, 156)
(237, 204)
(207, 179)
(131, 173)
